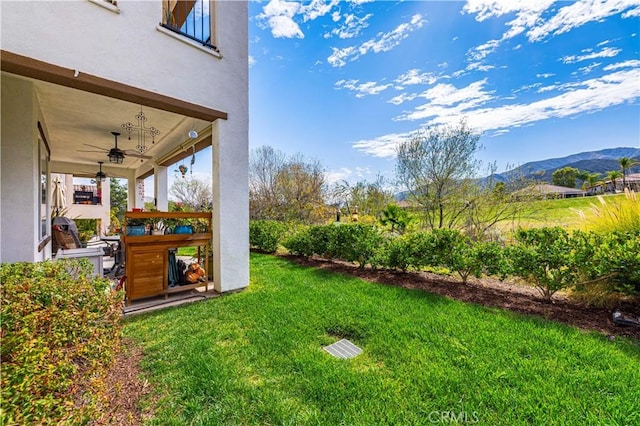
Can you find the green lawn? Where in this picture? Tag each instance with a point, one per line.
(256, 357)
(570, 213)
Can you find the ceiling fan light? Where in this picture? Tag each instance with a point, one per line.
(116, 157)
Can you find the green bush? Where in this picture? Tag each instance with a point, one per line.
(546, 258)
(60, 332)
(493, 258)
(266, 235)
(618, 256)
(355, 242)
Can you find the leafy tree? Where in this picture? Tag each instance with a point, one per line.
(286, 188)
(119, 195)
(370, 198)
(592, 179)
(565, 176)
(613, 175)
(302, 189)
(436, 167)
(194, 194)
(626, 164)
(396, 217)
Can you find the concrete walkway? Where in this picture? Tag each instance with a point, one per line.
(151, 304)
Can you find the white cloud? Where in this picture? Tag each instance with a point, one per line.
(334, 176)
(401, 98)
(530, 20)
(580, 13)
(633, 63)
(383, 146)
(339, 57)
(413, 76)
(607, 52)
(545, 75)
(351, 27)
(362, 89)
(449, 104)
(587, 69)
(279, 16)
(383, 43)
(317, 8)
(528, 13)
(252, 61)
(443, 99)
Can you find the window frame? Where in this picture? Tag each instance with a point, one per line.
(175, 30)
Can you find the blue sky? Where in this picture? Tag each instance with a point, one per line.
(344, 81)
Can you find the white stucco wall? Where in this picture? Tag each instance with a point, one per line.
(127, 47)
(19, 184)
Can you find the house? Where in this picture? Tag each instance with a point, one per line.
(632, 181)
(171, 77)
(546, 191)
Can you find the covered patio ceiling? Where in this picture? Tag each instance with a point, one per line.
(81, 110)
(77, 122)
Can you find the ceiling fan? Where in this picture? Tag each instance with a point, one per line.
(115, 154)
(99, 176)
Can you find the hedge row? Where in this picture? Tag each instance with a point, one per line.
(60, 332)
(550, 258)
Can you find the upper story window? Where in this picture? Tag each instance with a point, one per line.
(190, 18)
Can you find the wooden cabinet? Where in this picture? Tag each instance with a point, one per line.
(147, 256)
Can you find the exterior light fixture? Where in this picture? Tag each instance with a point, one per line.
(101, 176)
(115, 154)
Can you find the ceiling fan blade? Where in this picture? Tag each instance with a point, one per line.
(88, 150)
(134, 153)
(97, 147)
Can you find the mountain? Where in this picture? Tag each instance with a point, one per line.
(593, 162)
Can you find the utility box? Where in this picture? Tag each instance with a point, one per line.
(94, 254)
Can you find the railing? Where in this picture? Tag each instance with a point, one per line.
(189, 18)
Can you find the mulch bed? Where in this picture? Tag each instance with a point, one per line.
(492, 293)
(126, 388)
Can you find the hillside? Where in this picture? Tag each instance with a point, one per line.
(593, 162)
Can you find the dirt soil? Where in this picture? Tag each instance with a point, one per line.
(126, 388)
(494, 293)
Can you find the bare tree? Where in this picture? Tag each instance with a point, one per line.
(286, 188)
(193, 193)
(437, 167)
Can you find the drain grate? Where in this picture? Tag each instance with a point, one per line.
(343, 349)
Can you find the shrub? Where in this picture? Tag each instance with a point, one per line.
(545, 257)
(265, 235)
(493, 259)
(618, 256)
(60, 332)
(355, 243)
(300, 243)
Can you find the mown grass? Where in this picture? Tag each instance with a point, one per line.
(569, 213)
(256, 357)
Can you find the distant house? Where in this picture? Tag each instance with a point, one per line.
(633, 183)
(546, 191)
